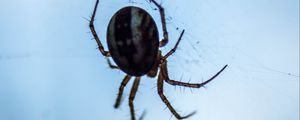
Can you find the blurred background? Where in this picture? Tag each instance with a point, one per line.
(50, 68)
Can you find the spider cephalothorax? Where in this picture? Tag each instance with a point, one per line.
(133, 42)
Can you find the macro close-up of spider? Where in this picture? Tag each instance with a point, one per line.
(133, 44)
(149, 60)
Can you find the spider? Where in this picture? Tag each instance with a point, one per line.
(133, 43)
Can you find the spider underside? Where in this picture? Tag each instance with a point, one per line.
(159, 61)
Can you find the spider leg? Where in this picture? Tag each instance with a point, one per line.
(91, 25)
(121, 89)
(164, 71)
(111, 65)
(132, 96)
(160, 83)
(165, 40)
(173, 49)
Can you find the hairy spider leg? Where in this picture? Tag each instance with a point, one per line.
(132, 96)
(121, 89)
(163, 75)
(173, 49)
(165, 40)
(164, 71)
(91, 25)
(160, 87)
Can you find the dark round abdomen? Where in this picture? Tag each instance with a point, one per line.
(132, 39)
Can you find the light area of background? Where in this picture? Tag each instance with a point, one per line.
(51, 70)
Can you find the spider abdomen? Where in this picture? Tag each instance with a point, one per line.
(133, 41)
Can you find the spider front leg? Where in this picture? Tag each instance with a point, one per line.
(165, 40)
(91, 25)
(173, 49)
(160, 85)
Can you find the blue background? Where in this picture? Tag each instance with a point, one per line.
(50, 68)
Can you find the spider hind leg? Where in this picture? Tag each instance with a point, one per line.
(160, 83)
(164, 71)
(121, 89)
(132, 96)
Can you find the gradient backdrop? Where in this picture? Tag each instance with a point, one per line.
(50, 68)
